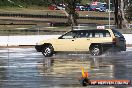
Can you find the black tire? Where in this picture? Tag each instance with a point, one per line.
(96, 50)
(47, 50)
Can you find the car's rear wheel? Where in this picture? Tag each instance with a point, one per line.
(95, 50)
(47, 50)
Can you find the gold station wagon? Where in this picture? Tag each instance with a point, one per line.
(95, 41)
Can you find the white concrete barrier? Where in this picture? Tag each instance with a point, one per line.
(33, 39)
(24, 40)
(128, 38)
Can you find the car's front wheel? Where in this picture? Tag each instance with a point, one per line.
(96, 50)
(47, 50)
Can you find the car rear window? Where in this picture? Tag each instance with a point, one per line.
(117, 33)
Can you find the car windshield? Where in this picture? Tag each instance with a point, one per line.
(69, 35)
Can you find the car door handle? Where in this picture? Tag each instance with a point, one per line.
(72, 40)
(88, 39)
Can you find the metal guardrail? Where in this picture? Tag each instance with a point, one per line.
(30, 15)
(82, 19)
(96, 18)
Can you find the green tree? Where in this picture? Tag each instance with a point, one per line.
(120, 16)
(120, 7)
(16, 3)
(70, 12)
(129, 11)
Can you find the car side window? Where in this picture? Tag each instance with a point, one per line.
(106, 33)
(97, 34)
(100, 34)
(83, 34)
(69, 35)
(90, 35)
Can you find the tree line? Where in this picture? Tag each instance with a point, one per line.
(24, 3)
(122, 11)
(122, 8)
(45, 3)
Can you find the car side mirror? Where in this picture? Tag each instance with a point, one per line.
(60, 37)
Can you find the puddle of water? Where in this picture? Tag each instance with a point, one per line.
(69, 69)
(27, 69)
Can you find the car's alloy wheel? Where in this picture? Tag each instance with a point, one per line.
(47, 51)
(95, 50)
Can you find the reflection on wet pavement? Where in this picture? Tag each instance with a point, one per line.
(26, 68)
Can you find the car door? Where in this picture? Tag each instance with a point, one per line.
(82, 41)
(66, 42)
(120, 40)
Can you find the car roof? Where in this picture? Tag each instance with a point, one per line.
(90, 29)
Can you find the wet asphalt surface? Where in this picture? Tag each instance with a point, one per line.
(26, 68)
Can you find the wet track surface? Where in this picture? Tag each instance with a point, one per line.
(26, 68)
